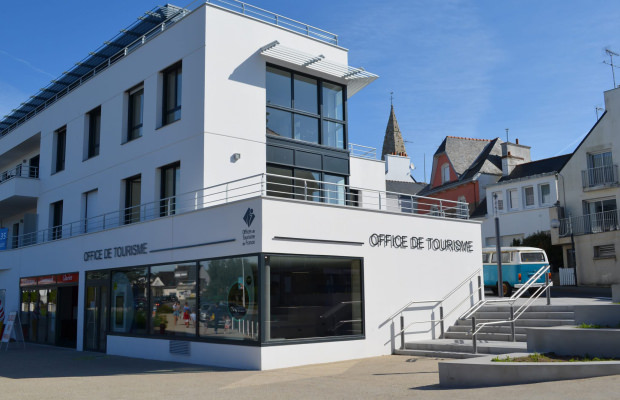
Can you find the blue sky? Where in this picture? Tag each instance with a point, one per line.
(460, 68)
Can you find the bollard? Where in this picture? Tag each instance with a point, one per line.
(441, 321)
(402, 332)
(548, 289)
(473, 335)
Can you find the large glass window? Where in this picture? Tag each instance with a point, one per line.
(334, 189)
(229, 298)
(60, 148)
(130, 305)
(132, 199)
(170, 179)
(136, 110)
(295, 109)
(305, 185)
(313, 297)
(56, 220)
(173, 299)
(172, 94)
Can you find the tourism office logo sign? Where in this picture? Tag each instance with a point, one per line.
(248, 235)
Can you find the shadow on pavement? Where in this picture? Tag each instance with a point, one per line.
(39, 361)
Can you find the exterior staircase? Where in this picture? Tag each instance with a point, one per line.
(494, 339)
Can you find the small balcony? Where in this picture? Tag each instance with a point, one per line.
(592, 223)
(600, 176)
(19, 190)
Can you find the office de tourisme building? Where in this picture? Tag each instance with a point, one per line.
(189, 192)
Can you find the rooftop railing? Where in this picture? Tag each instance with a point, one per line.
(275, 19)
(605, 221)
(267, 185)
(357, 150)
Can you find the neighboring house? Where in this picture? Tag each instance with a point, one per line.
(588, 201)
(521, 199)
(203, 155)
(464, 167)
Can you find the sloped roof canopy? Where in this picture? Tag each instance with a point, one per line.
(356, 78)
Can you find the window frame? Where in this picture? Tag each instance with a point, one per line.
(94, 133)
(513, 204)
(321, 118)
(525, 197)
(177, 69)
(167, 204)
(60, 149)
(445, 178)
(130, 113)
(541, 198)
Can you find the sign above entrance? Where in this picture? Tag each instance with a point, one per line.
(116, 252)
(420, 243)
(72, 277)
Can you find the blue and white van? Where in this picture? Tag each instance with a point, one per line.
(518, 265)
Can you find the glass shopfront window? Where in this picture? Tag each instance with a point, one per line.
(229, 298)
(173, 299)
(313, 297)
(129, 305)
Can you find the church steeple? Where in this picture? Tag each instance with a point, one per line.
(393, 142)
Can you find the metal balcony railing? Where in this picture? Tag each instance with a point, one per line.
(267, 185)
(591, 223)
(19, 172)
(357, 150)
(600, 176)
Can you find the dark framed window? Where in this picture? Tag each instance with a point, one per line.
(94, 132)
(172, 94)
(305, 184)
(60, 148)
(305, 108)
(129, 307)
(56, 220)
(170, 178)
(135, 114)
(312, 297)
(173, 299)
(15, 236)
(132, 199)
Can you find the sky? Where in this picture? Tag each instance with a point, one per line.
(458, 68)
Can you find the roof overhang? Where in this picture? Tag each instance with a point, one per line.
(355, 78)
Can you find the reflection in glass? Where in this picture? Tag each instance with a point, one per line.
(313, 297)
(333, 104)
(334, 189)
(52, 300)
(279, 186)
(278, 87)
(136, 107)
(229, 298)
(129, 301)
(42, 311)
(307, 188)
(306, 95)
(306, 128)
(333, 134)
(173, 299)
(279, 123)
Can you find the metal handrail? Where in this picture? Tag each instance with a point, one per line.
(249, 187)
(357, 150)
(19, 172)
(514, 316)
(604, 221)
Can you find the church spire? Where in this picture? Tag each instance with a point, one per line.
(393, 141)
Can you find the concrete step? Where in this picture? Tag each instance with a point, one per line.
(531, 308)
(465, 346)
(503, 337)
(436, 353)
(527, 315)
(524, 322)
(487, 329)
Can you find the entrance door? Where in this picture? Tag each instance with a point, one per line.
(67, 316)
(96, 308)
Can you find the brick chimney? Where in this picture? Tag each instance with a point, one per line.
(514, 154)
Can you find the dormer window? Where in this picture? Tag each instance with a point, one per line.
(445, 173)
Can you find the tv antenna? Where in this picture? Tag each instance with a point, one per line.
(611, 55)
(597, 110)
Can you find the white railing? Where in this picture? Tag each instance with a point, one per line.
(597, 176)
(269, 185)
(19, 172)
(275, 19)
(591, 223)
(357, 150)
(431, 305)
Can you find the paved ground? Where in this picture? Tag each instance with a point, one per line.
(42, 372)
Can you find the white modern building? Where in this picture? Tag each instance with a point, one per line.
(588, 212)
(150, 209)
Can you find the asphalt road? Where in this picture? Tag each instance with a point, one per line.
(42, 372)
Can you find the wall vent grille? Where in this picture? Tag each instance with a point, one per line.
(179, 347)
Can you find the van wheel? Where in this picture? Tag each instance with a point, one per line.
(507, 289)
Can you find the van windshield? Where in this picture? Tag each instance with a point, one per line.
(506, 257)
(533, 257)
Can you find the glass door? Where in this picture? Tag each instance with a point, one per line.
(96, 311)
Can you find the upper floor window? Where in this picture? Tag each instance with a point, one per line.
(94, 132)
(172, 94)
(170, 179)
(56, 220)
(133, 189)
(545, 193)
(600, 169)
(305, 108)
(528, 196)
(60, 148)
(499, 199)
(513, 201)
(445, 173)
(135, 113)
